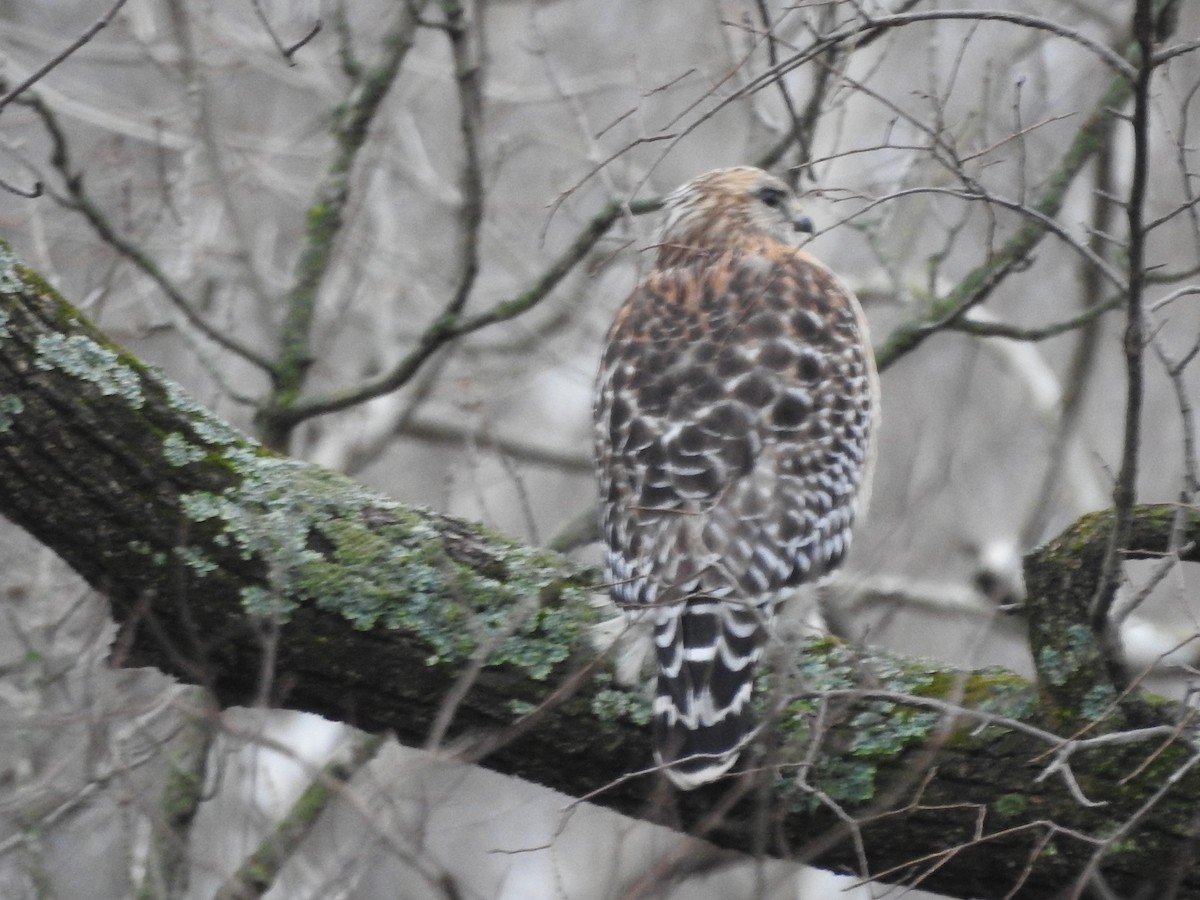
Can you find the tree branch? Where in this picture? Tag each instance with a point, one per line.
(56, 60)
(449, 327)
(978, 284)
(1125, 489)
(325, 221)
(78, 199)
(208, 545)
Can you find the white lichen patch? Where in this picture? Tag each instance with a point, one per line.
(83, 358)
(179, 451)
(206, 426)
(4, 323)
(265, 604)
(10, 407)
(266, 516)
(196, 560)
(10, 280)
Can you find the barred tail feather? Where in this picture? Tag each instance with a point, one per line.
(707, 650)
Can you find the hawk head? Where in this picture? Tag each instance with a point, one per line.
(727, 206)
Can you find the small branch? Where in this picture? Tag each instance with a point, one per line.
(1177, 50)
(800, 132)
(1125, 489)
(98, 26)
(470, 117)
(981, 281)
(1175, 368)
(181, 797)
(987, 328)
(1084, 354)
(78, 199)
(29, 194)
(1191, 484)
(290, 51)
(351, 67)
(455, 433)
(258, 873)
(446, 328)
(860, 33)
(1130, 823)
(874, 24)
(200, 112)
(326, 218)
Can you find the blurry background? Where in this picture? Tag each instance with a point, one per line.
(201, 147)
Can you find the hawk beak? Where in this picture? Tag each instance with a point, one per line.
(801, 222)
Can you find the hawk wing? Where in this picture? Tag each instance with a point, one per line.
(732, 420)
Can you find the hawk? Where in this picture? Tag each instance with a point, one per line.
(735, 413)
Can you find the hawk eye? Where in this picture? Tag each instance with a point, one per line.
(772, 197)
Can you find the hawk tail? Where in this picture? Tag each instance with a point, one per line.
(707, 649)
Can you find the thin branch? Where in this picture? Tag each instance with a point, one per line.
(199, 105)
(1125, 490)
(1084, 354)
(259, 872)
(1131, 822)
(1187, 493)
(326, 218)
(351, 67)
(29, 194)
(1177, 50)
(870, 23)
(1183, 151)
(181, 798)
(871, 27)
(981, 281)
(800, 132)
(56, 60)
(287, 52)
(467, 73)
(1043, 220)
(981, 328)
(446, 328)
(78, 199)
(1175, 368)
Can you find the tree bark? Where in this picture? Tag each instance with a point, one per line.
(266, 579)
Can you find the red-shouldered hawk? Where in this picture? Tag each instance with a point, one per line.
(735, 412)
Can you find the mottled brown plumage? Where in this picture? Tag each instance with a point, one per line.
(735, 410)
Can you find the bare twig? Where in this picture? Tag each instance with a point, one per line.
(78, 199)
(200, 110)
(871, 27)
(468, 75)
(982, 280)
(56, 60)
(987, 328)
(287, 52)
(446, 328)
(261, 869)
(28, 193)
(800, 132)
(1130, 823)
(1125, 490)
(1084, 354)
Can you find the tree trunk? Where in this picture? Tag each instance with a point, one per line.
(270, 580)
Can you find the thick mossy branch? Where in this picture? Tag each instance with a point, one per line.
(1061, 578)
(262, 577)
